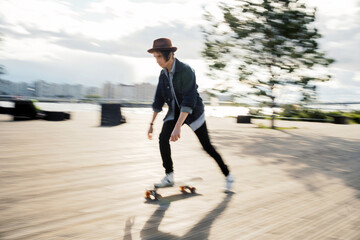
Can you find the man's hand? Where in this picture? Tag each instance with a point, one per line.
(175, 135)
(150, 132)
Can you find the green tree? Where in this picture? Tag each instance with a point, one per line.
(269, 45)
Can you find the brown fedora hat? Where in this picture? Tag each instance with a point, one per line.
(161, 44)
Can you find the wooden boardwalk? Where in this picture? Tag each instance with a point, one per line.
(76, 180)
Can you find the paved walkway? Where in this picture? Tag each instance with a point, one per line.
(76, 180)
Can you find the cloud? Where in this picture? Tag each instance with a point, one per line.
(90, 42)
(47, 47)
(337, 95)
(123, 28)
(344, 86)
(339, 15)
(44, 15)
(357, 77)
(31, 49)
(101, 20)
(123, 18)
(343, 46)
(188, 41)
(89, 69)
(339, 24)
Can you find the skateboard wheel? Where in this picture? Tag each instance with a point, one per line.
(147, 194)
(157, 197)
(193, 189)
(182, 188)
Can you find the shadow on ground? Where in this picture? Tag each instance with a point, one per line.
(172, 198)
(200, 231)
(309, 155)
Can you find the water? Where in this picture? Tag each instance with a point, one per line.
(218, 111)
(336, 107)
(214, 111)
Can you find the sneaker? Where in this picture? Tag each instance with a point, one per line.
(229, 181)
(167, 181)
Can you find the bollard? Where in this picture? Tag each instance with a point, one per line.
(55, 116)
(111, 114)
(340, 119)
(24, 110)
(243, 119)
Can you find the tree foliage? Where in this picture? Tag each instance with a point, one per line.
(268, 44)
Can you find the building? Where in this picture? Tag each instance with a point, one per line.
(21, 89)
(76, 91)
(13, 88)
(42, 89)
(125, 92)
(5, 87)
(145, 92)
(94, 91)
(108, 90)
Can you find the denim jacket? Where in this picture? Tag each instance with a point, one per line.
(185, 87)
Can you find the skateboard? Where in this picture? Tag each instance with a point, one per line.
(152, 193)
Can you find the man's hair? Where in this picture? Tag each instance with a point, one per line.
(166, 54)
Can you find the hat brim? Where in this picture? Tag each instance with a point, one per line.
(173, 49)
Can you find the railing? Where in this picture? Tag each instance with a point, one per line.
(292, 118)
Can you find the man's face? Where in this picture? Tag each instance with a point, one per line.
(160, 59)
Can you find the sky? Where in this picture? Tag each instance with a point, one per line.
(92, 42)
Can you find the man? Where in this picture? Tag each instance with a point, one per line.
(178, 89)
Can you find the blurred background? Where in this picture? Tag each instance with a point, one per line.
(95, 51)
(256, 60)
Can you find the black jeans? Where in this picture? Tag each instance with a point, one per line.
(203, 136)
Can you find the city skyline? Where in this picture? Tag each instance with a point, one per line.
(141, 92)
(86, 42)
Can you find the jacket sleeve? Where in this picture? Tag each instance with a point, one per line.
(189, 91)
(158, 99)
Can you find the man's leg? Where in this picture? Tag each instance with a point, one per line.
(203, 136)
(164, 143)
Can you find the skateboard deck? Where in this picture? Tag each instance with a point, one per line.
(152, 193)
